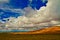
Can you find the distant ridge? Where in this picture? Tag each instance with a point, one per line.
(50, 30)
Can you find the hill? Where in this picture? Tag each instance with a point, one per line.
(50, 30)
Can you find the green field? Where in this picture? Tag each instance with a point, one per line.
(7, 36)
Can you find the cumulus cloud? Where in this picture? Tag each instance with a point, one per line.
(4, 0)
(45, 17)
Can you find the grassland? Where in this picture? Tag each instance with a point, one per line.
(7, 36)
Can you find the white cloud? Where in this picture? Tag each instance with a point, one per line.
(44, 17)
(4, 0)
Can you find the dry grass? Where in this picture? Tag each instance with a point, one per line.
(6, 36)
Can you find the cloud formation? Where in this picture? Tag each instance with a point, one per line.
(4, 0)
(37, 19)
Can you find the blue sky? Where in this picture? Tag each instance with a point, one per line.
(20, 4)
(25, 3)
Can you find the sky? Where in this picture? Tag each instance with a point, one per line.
(35, 14)
(8, 7)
